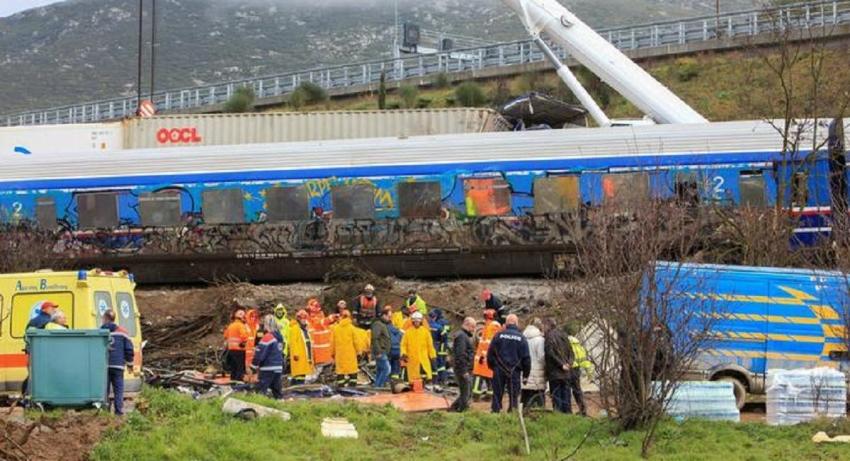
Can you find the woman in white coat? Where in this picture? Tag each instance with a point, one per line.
(534, 389)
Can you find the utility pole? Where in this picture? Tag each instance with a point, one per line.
(396, 53)
(141, 50)
(153, 46)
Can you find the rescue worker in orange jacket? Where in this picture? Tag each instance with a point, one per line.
(236, 337)
(481, 372)
(346, 347)
(417, 349)
(300, 350)
(366, 308)
(321, 335)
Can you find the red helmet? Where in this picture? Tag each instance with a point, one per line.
(489, 314)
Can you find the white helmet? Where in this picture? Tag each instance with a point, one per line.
(369, 287)
(416, 316)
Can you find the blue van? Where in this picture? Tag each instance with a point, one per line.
(763, 318)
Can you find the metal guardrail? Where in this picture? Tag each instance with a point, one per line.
(817, 14)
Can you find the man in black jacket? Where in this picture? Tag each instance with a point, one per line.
(510, 360)
(463, 353)
(559, 369)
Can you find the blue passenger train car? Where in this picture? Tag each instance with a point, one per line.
(489, 174)
(760, 318)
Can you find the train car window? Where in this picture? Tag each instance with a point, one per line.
(287, 204)
(160, 209)
(625, 190)
(487, 196)
(687, 188)
(556, 194)
(752, 187)
(223, 206)
(97, 210)
(800, 189)
(45, 212)
(419, 199)
(353, 201)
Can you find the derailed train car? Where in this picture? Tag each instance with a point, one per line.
(508, 175)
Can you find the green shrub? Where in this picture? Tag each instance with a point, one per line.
(297, 99)
(242, 100)
(408, 95)
(313, 93)
(423, 103)
(470, 94)
(441, 80)
(686, 69)
(393, 105)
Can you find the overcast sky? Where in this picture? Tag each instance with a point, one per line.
(8, 7)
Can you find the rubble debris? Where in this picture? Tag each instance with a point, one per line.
(822, 437)
(250, 410)
(338, 428)
(70, 437)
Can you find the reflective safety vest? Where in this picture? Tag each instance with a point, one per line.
(368, 309)
(236, 334)
(321, 338)
(283, 326)
(580, 354)
(399, 319)
(480, 367)
(420, 304)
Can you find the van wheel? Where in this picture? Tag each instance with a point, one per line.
(738, 388)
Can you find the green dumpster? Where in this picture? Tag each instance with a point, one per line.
(68, 367)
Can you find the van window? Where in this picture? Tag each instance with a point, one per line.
(102, 302)
(27, 306)
(126, 313)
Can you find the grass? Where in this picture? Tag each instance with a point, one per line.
(170, 426)
(721, 86)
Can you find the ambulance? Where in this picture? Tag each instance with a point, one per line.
(82, 295)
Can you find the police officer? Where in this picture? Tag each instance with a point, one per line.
(510, 360)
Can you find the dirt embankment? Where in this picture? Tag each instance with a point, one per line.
(71, 437)
(183, 326)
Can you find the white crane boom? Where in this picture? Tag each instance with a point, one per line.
(604, 60)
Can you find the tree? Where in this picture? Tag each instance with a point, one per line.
(242, 100)
(382, 92)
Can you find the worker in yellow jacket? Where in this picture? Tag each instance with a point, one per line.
(417, 349)
(300, 351)
(345, 348)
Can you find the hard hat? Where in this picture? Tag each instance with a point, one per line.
(416, 316)
(489, 314)
(302, 315)
(369, 287)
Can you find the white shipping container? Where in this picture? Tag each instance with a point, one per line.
(268, 127)
(43, 140)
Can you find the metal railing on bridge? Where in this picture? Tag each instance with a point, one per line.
(818, 14)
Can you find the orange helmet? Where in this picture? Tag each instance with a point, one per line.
(302, 315)
(489, 314)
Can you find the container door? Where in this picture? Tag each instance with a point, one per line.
(795, 338)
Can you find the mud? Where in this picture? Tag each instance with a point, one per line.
(71, 437)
